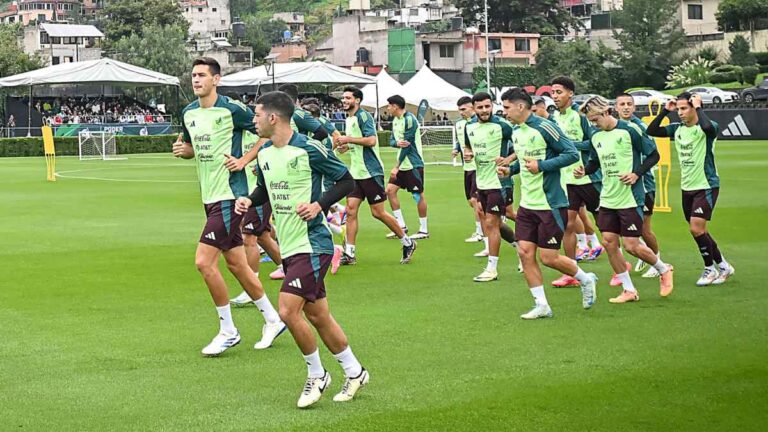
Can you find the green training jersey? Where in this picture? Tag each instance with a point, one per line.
(214, 133)
(649, 180)
(542, 139)
(250, 140)
(293, 175)
(576, 127)
(330, 129)
(406, 128)
(365, 161)
(696, 153)
(488, 140)
(461, 143)
(620, 151)
(303, 122)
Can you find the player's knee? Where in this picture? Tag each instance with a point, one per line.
(378, 212)
(249, 241)
(288, 315)
(204, 266)
(526, 253)
(549, 257)
(697, 230)
(610, 243)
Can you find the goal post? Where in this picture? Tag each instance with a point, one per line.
(437, 143)
(97, 145)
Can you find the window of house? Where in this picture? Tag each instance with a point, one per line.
(213, 9)
(199, 9)
(414, 12)
(494, 44)
(446, 51)
(522, 45)
(695, 12)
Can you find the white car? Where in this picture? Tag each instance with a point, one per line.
(644, 97)
(713, 95)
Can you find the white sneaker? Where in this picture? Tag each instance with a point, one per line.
(313, 390)
(242, 300)
(474, 238)
(486, 276)
(651, 273)
(589, 291)
(708, 276)
(482, 254)
(351, 386)
(221, 343)
(724, 275)
(393, 236)
(269, 333)
(640, 266)
(538, 311)
(421, 235)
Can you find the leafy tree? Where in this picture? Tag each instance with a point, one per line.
(733, 15)
(522, 16)
(13, 59)
(740, 55)
(261, 33)
(577, 60)
(125, 18)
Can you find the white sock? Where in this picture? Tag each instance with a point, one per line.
(406, 241)
(539, 296)
(314, 365)
(423, 224)
(348, 361)
(269, 312)
(336, 229)
(485, 240)
(349, 249)
(493, 262)
(660, 266)
(724, 265)
(279, 267)
(226, 325)
(581, 240)
(626, 282)
(581, 275)
(593, 240)
(399, 216)
(478, 228)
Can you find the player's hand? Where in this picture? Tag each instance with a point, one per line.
(403, 144)
(342, 140)
(307, 212)
(532, 165)
(503, 171)
(394, 172)
(629, 179)
(454, 153)
(178, 147)
(342, 148)
(579, 172)
(696, 101)
(233, 164)
(468, 155)
(242, 205)
(671, 106)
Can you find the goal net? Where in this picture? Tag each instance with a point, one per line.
(437, 143)
(97, 145)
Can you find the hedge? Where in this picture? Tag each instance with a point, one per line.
(761, 58)
(505, 76)
(749, 74)
(67, 146)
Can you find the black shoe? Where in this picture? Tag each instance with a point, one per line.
(348, 260)
(408, 252)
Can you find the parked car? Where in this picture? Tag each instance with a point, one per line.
(644, 97)
(756, 93)
(710, 95)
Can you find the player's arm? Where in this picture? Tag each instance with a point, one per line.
(556, 140)
(251, 155)
(655, 129)
(327, 164)
(593, 164)
(706, 124)
(587, 130)
(258, 197)
(507, 149)
(409, 142)
(514, 168)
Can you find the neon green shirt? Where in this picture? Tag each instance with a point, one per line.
(406, 128)
(461, 143)
(488, 141)
(365, 161)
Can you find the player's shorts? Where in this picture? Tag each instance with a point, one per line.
(624, 222)
(700, 203)
(650, 203)
(371, 189)
(509, 196)
(583, 195)
(305, 275)
(222, 228)
(545, 228)
(411, 180)
(470, 184)
(256, 220)
(492, 201)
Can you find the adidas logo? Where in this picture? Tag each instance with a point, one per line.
(415, 188)
(552, 241)
(737, 128)
(210, 236)
(377, 197)
(192, 124)
(296, 283)
(645, 208)
(249, 226)
(632, 228)
(699, 211)
(495, 208)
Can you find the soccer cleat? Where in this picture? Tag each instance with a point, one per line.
(336, 260)
(393, 236)
(420, 235)
(724, 275)
(277, 274)
(582, 254)
(221, 343)
(640, 266)
(475, 237)
(313, 390)
(347, 259)
(482, 254)
(265, 259)
(538, 311)
(595, 252)
(666, 282)
(708, 276)
(651, 273)
(589, 291)
(625, 297)
(408, 252)
(242, 300)
(269, 333)
(486, 276)
(352, 386)
(565, 281)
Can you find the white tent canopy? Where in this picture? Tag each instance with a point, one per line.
(440, 94)
(305, 72)
(103, 71)
(387, 86)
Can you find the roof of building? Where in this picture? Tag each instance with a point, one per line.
(71, 30)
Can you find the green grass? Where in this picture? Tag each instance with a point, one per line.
(103, 316)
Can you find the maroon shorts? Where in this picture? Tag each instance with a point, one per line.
(492, 201)
(583, 195)
(371, 189)
(700, 203)
(625, 222)
(470, 185)
(543, 227)
(650, 203)
(256, 220)
(305, 275)
(411, 180)
(222, 228)
(509, 196)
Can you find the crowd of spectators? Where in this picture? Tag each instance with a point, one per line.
(79, 110)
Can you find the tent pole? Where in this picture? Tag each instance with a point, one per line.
(29, 114)
(378, 114)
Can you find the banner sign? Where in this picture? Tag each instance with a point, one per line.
(116, 128)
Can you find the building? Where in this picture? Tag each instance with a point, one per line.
(357, 41)
(698, 20)
(207, 18)
(38, 11)
(416, 13)
(290, 52)
(295, 23)
(63, 43)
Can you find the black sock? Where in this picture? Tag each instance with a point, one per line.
(716, 255)
(507, 233)
(705, 248)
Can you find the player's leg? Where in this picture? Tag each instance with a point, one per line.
(636, 248)
(394, 203)
(207, 263)
(493, 208)
(353, 207)
(527, 252)
(470, 193)
(572, 228)
(272, 249)
(416, 188)
(583, 235)
(253, 257)
(409, 246)
(704, 206)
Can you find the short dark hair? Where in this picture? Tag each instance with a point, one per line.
(291, 90)
(481, 96)
(356, 92)
(212, 64)
(624, 94)
(464, 100)
(565, 82)
(517, 95)
(313, 109)
(397, 100)
(686, 96)
(277, 102)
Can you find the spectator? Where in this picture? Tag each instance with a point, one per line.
(11, 126)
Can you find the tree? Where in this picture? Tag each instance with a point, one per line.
(649, 39)
(261, 33)
(126, 18)
(733, 15)
(522, 16)
(13, 59)
(577, 60)
(740, 55)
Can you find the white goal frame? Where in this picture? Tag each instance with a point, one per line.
(97, 145)
(441, 142)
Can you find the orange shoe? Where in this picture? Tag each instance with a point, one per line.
(625, 297)
(565, 281)
(666, 282)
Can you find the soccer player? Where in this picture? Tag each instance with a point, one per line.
(213, 129)
(302, 121)
(408, 174)
(291, 167)
(581, 192)
(467, 112)
(540, 108)
(625, 156)
(625, 106)
(362, 142)
(695, 139)
(542, 151)
(487, 139)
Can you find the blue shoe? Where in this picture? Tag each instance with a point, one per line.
(595, 252)
(266, 258)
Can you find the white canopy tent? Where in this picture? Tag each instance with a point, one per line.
(306, 72)
(103, 71)
(387, 86)
(440, 94)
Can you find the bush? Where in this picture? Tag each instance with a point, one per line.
(749, 74)
(384, 138)
(740, 55)
(764, 68)
(761, 58)
(690, 72)
(67, 146)
(708, 53)
(729, 73)
(508, 76)
(720, 78)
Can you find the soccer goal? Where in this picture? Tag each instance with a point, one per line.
(437, 143)
(98, 145)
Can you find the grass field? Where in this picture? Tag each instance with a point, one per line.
(103, 317)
